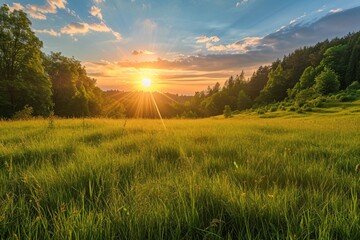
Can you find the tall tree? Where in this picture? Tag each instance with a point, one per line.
(336, 58)
(22, 77)
(75, 94)
(327, 82)
(275, 89)
(354, 64)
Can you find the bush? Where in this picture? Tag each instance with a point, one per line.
(292, 109)
(24, 114)
(260, 111)
(307, 109)
(327, 82)
(227, 111)
(189, 114)
(355, 85)
(273, 109)
(305, 95)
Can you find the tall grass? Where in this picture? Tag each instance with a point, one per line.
(240, 178)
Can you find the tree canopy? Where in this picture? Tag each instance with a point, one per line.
(22, 77)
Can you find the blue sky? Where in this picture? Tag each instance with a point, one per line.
(183, 45)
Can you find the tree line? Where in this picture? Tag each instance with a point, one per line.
(308, 73)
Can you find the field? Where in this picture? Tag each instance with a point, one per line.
(279, 175)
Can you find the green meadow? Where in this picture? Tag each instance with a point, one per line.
(278, 175)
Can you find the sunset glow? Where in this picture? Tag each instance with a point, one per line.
(187, 45)
(146, 83)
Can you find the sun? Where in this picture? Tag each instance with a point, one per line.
(146, 82)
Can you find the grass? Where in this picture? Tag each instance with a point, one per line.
(287, 176)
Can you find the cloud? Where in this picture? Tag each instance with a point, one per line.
(241, 3)
(336, 10)
(49, 32)
(281, 28)
(141, 52)
(254, 51)
(83, 28)
(99, 1)
(96, 12)
(247, 54)
(297, 19)
(242, 46)
(51, 6)
(39, 12)
(205, 39)
(16, 6)
(208, 63)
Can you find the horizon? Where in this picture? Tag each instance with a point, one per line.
(180, 48)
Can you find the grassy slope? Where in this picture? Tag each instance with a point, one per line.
(280, 175)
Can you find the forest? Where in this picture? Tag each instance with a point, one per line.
(39, 84)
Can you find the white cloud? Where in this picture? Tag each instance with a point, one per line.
(39, 12)
(205, 39)
(117, 35)
(297, 19)
(96, 12)
(16, 6)
(336, 10)
(83, 28)
(51, 32)
(99, 1)
(244, 45)
(281, 28)
(241, 3)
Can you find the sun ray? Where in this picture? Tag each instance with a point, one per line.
(158, 111)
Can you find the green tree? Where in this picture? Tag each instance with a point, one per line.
(354, 64)
(258, 81)
(243, 101)
(75, 93)
(336, 58)
(22, 77)
(307, 80)
(227, 111)
(327, 82)
(275, 89)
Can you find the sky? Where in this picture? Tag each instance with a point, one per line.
(183, 46)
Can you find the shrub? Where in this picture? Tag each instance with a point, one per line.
(24, 114)
(305, 95)
(327, 82)
(273, 109)
(292, 109)
(260, 111)
(188, 114)
(227, 111)
(355, 85)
